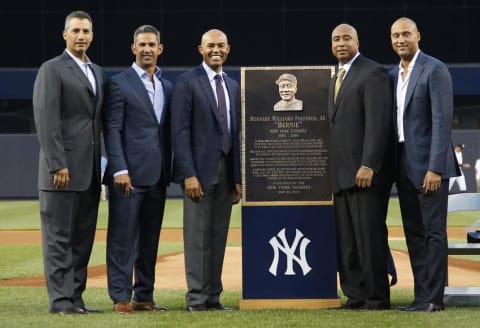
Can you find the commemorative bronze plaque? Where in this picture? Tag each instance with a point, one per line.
(285, 133)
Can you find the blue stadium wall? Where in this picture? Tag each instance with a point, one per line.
(19, 160)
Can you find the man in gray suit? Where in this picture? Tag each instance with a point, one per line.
(67, 102)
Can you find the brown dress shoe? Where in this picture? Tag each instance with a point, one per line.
(122, 308)
(147, 306)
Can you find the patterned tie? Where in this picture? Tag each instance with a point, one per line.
(222, 109)
(338, 83)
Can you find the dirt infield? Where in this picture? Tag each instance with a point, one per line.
(171, 274)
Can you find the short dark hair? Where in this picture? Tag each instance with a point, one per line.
(146, 29)
(77, 14)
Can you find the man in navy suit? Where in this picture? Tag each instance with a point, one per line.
(206, 144)
(359, 109)
(67, 104)
(425, 159)
(137, 141)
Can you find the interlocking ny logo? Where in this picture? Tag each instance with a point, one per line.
(289, 252)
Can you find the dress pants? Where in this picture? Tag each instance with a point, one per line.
(362, 244)
(134, 224)
(68, 220)
(424, 219)
(205, 229)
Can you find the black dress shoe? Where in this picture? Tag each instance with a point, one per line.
(425, 307)
(372, 307)
(349, 305)
(407, 307)
(196, 308)
(70, 311)
(219, 307)
(88, 310)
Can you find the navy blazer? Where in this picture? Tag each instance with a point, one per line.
(196, 129)
(427, 119)
(134, 140)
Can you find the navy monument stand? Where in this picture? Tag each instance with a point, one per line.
(288, 230)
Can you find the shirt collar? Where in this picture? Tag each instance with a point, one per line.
(348, 64)
(77, 60)
(142, 73)
(210, 72)
(410, 65)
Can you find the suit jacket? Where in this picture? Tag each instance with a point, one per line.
(68, 121)
(360, 124)
(134, 140)
(196, 128)
(427, 119)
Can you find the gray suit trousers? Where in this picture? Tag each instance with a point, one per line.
(68, 220)
(205, 229)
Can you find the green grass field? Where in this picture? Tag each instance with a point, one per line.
(27, 306)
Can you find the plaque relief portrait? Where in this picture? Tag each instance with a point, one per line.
(287, 88)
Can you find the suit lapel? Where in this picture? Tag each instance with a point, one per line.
(211, 97)
(331, 89)
(348, 79)
(165, 97)
(416, 72)
(77, 72)
(231, 96)
(141, 91)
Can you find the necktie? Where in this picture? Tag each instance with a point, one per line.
(338, 83)
(222, 109)
(91, 76)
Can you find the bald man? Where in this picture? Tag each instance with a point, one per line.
(359, 109)
(206, 145)
(423, 111)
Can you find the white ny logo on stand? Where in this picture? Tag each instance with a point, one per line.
(289, 252)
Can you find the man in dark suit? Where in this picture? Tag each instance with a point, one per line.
(360, 127)
(67, 102)
(137, 141)
(206, 143)
(425, 160)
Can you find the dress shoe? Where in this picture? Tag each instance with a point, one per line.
(349, 305)
(88, 310)
(425, 307)
(70, 311)
(372, 307)
(147, 306)
(123, 308)
(407, 307)
(219, 307)
(196, 308)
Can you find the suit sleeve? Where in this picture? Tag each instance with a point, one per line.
(182, 107)
(113, 117)
(47, 113)
(441, 99)
(378, 118)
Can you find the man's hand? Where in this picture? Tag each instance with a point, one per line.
(61, 178)
(364, 177)
(193, 189)
(432, 181)
(123, 183)
(237, 193)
